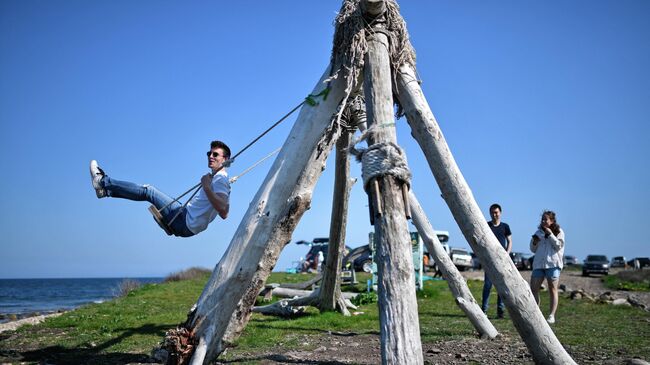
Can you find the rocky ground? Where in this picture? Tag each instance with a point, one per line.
(573, 280)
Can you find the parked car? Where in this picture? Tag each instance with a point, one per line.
(531, 259)
(570, 260)
(360, 258)
(317, 245)
(461, 258)
(618, 261)
(520, 260)
(643, 262)
(476, 263)
(595, 264)
(429, 262)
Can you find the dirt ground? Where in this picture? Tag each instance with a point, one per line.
(351, 348)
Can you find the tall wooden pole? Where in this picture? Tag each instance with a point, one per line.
(398, 310)
(225, 305)
(513, 289)
(457, 284)
(330, 290)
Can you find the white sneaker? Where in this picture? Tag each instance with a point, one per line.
(96, 176)
(550, 319)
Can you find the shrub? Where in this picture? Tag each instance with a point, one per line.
(127, 286)
(187, 274)
(365, 298)
(634, 280)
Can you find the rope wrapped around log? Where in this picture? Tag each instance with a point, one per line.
(382, 159)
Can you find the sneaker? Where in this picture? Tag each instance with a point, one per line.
(550, 319)
(96, 176)
(500, 315)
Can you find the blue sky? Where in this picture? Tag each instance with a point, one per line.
(545, 105)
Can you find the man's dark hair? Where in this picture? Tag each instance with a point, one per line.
(495, 206)
(223, 146)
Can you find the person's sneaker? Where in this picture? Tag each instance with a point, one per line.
(550, 319)
(500, 315)
(96, 176)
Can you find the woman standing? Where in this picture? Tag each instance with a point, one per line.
(548, 245)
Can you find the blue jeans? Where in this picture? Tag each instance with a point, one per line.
(487, 287)
(128, 190)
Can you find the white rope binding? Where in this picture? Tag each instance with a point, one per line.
(383, 159)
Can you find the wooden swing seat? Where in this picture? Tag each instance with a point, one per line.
(159, 219)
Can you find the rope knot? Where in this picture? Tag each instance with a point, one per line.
(383, 159)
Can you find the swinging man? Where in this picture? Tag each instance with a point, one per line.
(182, 221)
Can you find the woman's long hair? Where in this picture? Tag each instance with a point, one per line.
(555, 228)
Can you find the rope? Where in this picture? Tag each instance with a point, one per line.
(382, 159)
(235, 178)
(310, 100)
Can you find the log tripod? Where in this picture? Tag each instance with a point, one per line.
(224, 307)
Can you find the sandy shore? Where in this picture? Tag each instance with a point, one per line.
(11, 326)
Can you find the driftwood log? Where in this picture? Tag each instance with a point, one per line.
(330, 298)
(457, 284)
(513, 289)
(398, 310)
(225, 305)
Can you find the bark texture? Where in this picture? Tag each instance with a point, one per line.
(330, 291)
(526, 315)
(455, 280)
(398, 311)
(225, 305)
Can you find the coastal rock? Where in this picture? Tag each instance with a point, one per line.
(636, 362)
(621, 301)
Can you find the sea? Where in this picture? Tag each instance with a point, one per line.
(21, 298)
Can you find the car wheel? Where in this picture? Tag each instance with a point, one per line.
(584, 273)
(367, 266)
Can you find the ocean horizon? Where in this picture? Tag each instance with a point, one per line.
(20, 298)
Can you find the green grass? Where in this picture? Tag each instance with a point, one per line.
(126, 329)
(638, 280)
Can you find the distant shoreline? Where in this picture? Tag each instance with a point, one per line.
(14, 325)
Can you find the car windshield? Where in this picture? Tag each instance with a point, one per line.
(596, 258)
(459, 252)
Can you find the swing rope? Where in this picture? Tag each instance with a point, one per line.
(235, 178)
(310, 100)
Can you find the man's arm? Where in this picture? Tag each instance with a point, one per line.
(219, 201)
(509, 248)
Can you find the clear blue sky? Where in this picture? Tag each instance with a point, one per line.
(545, 105)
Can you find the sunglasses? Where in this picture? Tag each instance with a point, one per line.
(213, 154)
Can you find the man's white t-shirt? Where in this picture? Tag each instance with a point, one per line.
(199, 210)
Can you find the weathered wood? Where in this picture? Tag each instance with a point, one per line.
(513, 289)
(304, 285)
(398, 311)
(296, 306)
(224, 306)
(455, 280)
(293, 293)
(159, 219)
(330, 292)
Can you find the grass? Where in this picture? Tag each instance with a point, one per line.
(632, 280)
(127, 328)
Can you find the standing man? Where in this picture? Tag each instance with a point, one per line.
(213, 198)
(502, 232)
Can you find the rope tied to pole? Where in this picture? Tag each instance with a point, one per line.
(382, 159)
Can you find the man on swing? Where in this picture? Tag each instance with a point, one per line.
(212, 199)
